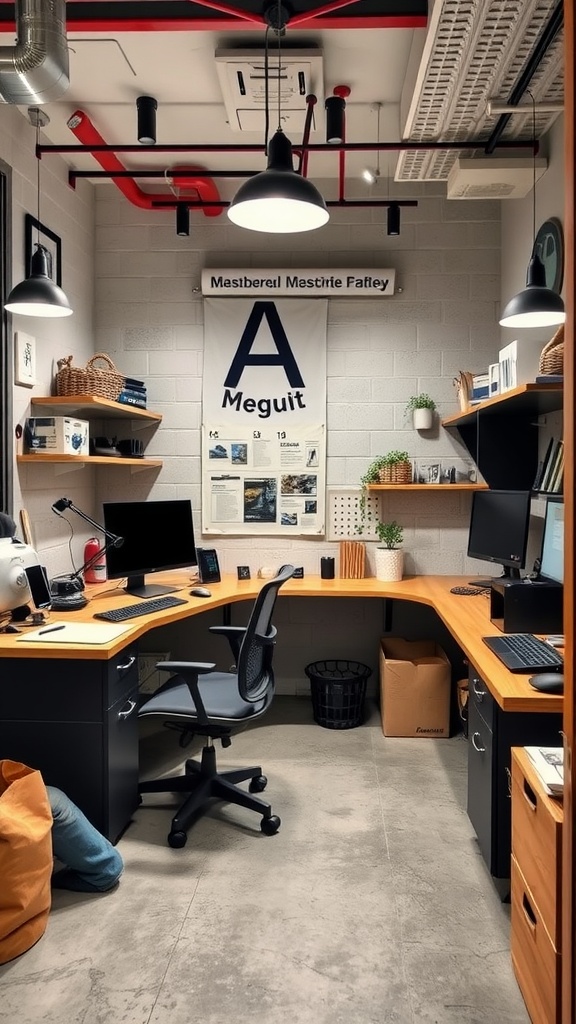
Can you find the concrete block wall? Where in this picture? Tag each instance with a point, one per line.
(443, 318)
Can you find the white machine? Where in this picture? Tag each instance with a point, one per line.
(15, 558)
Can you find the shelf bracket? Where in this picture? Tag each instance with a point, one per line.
(67, 467)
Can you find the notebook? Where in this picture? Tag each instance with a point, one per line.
(75, 633)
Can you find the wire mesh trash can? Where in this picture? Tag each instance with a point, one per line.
(338, 690)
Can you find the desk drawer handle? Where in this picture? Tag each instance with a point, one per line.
(129, 709)
(125, 665)
(530, 796)
(478, 693)
(481, 750)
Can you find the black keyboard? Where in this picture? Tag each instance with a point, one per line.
(523, 652)
(131, 611)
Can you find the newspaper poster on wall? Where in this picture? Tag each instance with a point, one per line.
(264, 411)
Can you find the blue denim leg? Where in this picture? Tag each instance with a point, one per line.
(94, 865)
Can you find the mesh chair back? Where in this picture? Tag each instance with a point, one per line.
(254, 669)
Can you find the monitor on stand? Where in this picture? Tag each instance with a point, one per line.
(498, 533)
(157, 536)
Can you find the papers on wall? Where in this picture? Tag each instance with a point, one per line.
(549, 763)
(75, 633)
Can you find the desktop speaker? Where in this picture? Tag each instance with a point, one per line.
(66, 594)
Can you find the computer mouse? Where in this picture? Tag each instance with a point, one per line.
(548, 682)
(200, 592)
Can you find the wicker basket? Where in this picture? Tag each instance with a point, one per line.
(93, 380)
(397, 473)
(552, 355)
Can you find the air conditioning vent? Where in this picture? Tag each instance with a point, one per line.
(242, 79)
(485, 178)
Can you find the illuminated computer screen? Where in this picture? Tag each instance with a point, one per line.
(552, 557)
(157, 536)
(498, 531)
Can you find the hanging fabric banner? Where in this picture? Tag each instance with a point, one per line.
(263, 417)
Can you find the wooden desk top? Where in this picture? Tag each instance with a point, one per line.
(466, 617)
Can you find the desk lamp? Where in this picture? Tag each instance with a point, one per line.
(67, 590)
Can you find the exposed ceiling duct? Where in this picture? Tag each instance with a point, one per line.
(35, 70)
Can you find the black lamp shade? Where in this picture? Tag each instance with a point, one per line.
(146, 107)
(393, 226)
(38, 295)
(182, 220)
(335, 107)
(536, 305)
(278, 200)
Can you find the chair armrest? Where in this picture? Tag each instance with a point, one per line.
(234, 635)
(200, 667)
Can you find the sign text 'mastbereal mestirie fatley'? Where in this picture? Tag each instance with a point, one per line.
(363, 283)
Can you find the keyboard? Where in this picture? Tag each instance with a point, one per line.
(131, 611)
(523, 652)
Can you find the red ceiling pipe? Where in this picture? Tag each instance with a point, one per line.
(81, 126)
(343, 91)
(303, 160)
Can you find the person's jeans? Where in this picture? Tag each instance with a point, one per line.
(92, 863)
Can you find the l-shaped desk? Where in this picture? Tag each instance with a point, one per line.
(71, 710)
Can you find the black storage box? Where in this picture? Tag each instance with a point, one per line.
(525, 606)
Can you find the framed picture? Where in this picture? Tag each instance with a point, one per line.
(35, 232)
(549, 246)
(24, 359)
(427, 471)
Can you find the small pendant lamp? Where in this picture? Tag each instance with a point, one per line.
(278, 200)
(536, 305)
(37, 295)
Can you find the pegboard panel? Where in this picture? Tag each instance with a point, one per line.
(343, 513)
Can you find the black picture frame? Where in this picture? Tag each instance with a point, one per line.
(35, 231)
(549, 246)
(208, 568)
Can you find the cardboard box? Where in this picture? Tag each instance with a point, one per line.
(56, 435)
(414, 688)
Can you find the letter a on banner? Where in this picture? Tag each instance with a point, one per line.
(245, 357)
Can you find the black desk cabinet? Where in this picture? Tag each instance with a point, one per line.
(491, 734)
(76, 721)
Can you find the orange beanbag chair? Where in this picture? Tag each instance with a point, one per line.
(25, 858)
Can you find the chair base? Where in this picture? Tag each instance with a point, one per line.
(205, 783)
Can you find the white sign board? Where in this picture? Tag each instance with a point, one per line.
(329, 283)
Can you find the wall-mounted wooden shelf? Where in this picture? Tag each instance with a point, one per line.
(427, 487)
(529, 399)
(88, 460)
(88, 406)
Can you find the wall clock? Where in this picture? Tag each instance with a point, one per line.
(549, 246)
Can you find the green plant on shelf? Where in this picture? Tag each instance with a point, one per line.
(372, 476)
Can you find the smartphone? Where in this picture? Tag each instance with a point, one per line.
(39, 586)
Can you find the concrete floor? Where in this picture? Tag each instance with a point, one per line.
(372, 904)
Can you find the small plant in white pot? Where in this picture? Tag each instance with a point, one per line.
(422, 408)
(389, 555)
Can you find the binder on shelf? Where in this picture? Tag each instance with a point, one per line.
(558, 471)
(549, 467)
(542, 466)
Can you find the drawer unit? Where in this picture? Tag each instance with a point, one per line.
(537, 842)
(536, 962)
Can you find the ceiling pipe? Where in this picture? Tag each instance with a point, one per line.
(36, 69)
(349, 147)
(81, 126)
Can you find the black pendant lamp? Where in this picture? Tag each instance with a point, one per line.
(278, 200)
(536, 305)
(37, 295)
(393, 219)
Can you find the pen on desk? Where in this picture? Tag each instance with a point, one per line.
(51, 629)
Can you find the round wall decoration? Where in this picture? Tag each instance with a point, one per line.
(549, 246)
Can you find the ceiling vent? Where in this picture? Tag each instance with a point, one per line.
(493, 178)
(243, 82)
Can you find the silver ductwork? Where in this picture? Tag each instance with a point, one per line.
(36, 70)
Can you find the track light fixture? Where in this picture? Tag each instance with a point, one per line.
(278, 200)
(146, 107)
(393, 220)
(37, 295)
(182, 220)
(335, 107)
(536, 305)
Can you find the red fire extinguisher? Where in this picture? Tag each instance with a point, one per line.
(96, 573)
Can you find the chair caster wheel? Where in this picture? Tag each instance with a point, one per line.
(177, 840)
(269, 826)
(258, 784)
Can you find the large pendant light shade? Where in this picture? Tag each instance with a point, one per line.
(37, 295)
(536, 305)
(278, 200)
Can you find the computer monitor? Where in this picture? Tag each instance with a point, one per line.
(498, 532)
(158, 535)
(552, 557)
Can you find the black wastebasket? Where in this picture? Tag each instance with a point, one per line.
(338, 690)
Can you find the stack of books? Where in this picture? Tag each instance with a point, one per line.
(549, 763)
(133, 393)
(550, 473)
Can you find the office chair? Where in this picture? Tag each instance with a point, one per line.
(200, 701)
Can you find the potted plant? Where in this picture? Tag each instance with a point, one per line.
(421, 407)
(389, 556)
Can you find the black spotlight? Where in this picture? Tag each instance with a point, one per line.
(182, 219)
(335, 107)
(146, 107)
(393, 219)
